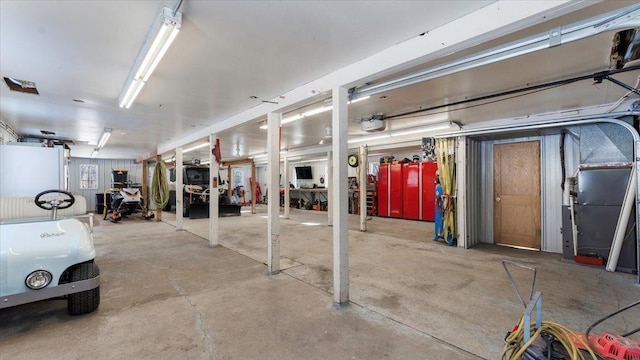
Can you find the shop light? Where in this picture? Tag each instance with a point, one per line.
(368, 138)
(195, 147)
(156, 45)
(312, 112)
(94, 154)
(422, 129)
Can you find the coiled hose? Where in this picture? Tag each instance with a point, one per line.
(515, 349)
(160, 186)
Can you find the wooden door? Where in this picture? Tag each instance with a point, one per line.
(516, 177)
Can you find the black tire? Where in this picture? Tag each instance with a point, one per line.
(85, 301)
(167, 207)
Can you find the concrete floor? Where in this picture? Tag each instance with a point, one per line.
(167, 295)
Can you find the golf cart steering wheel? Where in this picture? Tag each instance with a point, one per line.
(55, 203)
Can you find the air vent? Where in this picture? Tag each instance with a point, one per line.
(22, 86)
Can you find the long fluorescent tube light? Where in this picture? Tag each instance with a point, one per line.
(103, 139)
(421, 130)
(94, 154)
(195, 147)
(163, 33)
(312, 112)
(368, 138)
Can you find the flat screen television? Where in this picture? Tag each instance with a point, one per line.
(304, 173)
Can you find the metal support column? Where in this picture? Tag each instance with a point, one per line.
(179, 190)
(273, 186)
(329, 183)
(214, 197)
(285, 183)
(340, 198)
(253, 187)
(363, 153)
(158, 210)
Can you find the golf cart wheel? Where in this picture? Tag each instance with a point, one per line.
(85, 301)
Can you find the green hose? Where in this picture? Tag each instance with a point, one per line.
(160, 186)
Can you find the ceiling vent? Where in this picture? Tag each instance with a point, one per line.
(373, 123)
(22, 86)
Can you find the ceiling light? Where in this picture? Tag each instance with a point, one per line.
(94, 154)
(368, 138)
(359, 99)
(315, 111)
(195, 147)
(105, 136)
(206, 162)
(158, 41)
(434, 127)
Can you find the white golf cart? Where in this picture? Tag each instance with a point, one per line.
(48, 258)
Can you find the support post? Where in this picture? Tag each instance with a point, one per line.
(363, 151)
(179, 191)
(273, 185)
(158, 211)
(145, 187)
(340, 198)
(285, 183)
(214, 197)
(253, 187)
(329, 183)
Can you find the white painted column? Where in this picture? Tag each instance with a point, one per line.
(273, 186)
(329, 185)
(363, 151)
(214, 197)
(340, 197)
(285, 183)
(461, 192)
(179, 191)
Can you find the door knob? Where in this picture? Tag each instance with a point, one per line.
(498, 199)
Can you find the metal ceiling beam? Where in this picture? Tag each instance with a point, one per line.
(625, 18)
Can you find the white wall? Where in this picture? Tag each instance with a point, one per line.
(105, 166)
(28, 170)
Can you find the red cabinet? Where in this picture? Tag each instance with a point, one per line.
(390, 190)
(407, 190)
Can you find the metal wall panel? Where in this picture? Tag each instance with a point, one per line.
(473, 192)
(551, 197)
(104, 176)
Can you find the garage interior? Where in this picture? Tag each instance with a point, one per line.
(531, 121)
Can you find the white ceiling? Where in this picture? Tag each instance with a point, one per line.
(228, 51)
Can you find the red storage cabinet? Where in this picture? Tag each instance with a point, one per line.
(383, 190)
(429, 170)
(390, 190)
(411, 196)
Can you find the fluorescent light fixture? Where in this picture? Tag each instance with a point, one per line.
(290, 119)
(94, 154)
(312, 112)
(103, 139)
(264, 126)
(359, 99)
(206, 162)
(422, 129)
(368, 138)
(195, 147)
(158, 41)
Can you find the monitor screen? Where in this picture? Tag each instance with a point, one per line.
(304, 173)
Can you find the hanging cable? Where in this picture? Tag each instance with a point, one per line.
(160, 186)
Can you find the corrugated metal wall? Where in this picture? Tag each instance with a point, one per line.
(473, 192)
(551, 178)
(104, 176)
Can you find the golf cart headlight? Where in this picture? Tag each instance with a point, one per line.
(38, 279)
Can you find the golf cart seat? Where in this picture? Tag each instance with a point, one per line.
(22, 208)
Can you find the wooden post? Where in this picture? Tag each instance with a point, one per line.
(145, 190)
(158, 211)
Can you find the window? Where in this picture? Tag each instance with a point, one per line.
(88, 177)
(237, 178)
